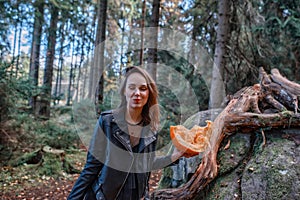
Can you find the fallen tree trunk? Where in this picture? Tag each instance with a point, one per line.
(273, 103)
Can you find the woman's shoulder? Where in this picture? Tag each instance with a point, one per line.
(115, 115)
(106, 116)
(107, 112)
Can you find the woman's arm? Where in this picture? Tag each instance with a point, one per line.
(93, 163)
(160, 162)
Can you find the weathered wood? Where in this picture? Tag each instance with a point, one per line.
(208, 168)
(279, 97)
(48, 149)
(247, 122)
(270, 104)
(248, 99)
(293, 87)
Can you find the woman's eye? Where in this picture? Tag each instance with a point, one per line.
(131, 87)
(143, 88)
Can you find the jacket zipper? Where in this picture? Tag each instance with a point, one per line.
(122, 142)
(130, 150)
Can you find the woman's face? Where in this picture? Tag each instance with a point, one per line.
(136, 91)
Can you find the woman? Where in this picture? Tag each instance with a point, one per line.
(122, 150)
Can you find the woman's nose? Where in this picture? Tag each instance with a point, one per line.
(137, 92)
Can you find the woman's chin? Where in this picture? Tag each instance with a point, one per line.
(136, 106)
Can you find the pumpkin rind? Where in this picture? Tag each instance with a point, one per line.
(193, 141)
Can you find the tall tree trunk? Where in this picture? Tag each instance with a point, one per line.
(78, 88)
(128, 54)
(152, 51)
(217, 92)
(15, 41)
(142, 32)
(85, 71)
(48, 74)
(195, 33)
(14, 48)
(35, 50)
(99, 52)
(19, 47)
(60, 65)
(91, 83)
(71, 74)
(91, 66)
(74, 75)
(86, 91)
(85, 88)
(123, 36)
(61, 90)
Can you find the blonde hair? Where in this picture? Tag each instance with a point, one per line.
(150, 112)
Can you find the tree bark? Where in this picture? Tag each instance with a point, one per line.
(258, 107)
(122, 27)
(44, 110)
(91, 81)
(217, 91)
(19, 46)
(142, 32)
(71, 74)
(152, 51)
(57, 94)
(285, 83)
(78, 84)
(99, 52)
(35, 50)
(195, 33)
(14, 47)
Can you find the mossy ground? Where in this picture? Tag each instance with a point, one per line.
(25, 166)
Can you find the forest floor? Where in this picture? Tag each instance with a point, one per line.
(50, 188)
(47, 178)
(30, 181)
(16, 183)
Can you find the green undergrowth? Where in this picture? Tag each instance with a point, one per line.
(25, 136)
(33, 175)
(24, 161)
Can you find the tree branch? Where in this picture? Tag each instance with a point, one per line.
(272, 103)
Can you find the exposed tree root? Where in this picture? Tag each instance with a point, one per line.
(273, 103)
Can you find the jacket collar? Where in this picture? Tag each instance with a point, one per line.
(147, 136)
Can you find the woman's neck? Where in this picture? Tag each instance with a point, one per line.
(133, 116)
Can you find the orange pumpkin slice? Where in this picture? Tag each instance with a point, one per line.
(193, 141)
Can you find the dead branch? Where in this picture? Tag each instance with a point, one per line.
(292, 87)
(272, 103)
(51, 150)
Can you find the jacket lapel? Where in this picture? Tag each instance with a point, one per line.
(147, 138)
(147, 135)
(124, 139)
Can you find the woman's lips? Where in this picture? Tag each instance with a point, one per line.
(136, 100)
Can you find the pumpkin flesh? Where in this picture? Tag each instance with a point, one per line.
(193, 141)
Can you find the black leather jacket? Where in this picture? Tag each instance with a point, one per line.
(110, 159)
